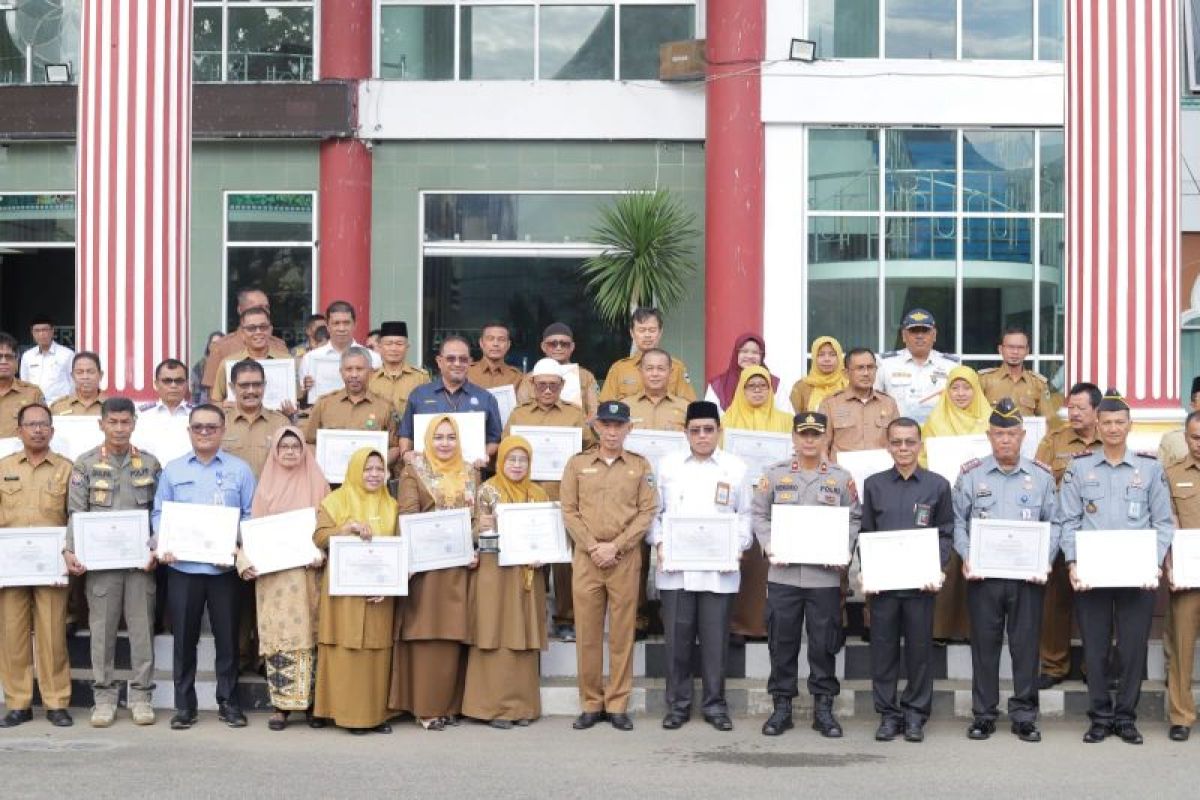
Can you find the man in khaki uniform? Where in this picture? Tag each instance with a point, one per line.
(1173, 447)
(491, 372)
(1183, 612)
(116, 476)
(1057, 449)
(248, 426)
(859, 414)
(396, 379)
(33, 494)
(547, 409)
(354, 407)
(85, 401)
(558, 343)
(1029, 390)
(608, 504)
(624, 377)
(232, 342)
(255, 329)
(654, 407)
(15, 393)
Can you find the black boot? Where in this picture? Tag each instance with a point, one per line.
(823, 719)
(780, 719)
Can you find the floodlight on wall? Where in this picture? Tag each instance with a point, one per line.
(58, 73)
(803, 50)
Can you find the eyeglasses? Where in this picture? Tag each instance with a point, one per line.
(173, 381)
(261, 328)
(558, 344)
(516, 460)
(251, 385)
(36, 426)
(8, 357)
(699, 429)
(757, 387)
(545, 387)
(456, 359)
(204, 428)
(904, 442)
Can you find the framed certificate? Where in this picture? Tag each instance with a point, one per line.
(166, 438)
(368, 569)
(1116, 558)
(653, 445)
(280, 541)
(706, 543)
(326, 375)
(205, 534)
(862, 464)
(947, 454)
(506, 400)
(817, 535)
(1004, 548)
(438, 539)
(1185, 558)
(531, 533)
(280, 377)
(112, 539)
(552, 448)
(32, 557)
(759, 449)
(74, 436)
(894, 560)
(472, 433)
(1035, 431)
(335, 447)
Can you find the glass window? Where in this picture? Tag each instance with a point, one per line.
(844, 28)
(34, 33)
(1051, 303)
(997, 171)
(1051, 19)
(998, 29)
(270, 217)
(208, 38)
(919, 272)
(1052, 179)
(921, 174)
(920, 29)
(416, 43)
(270, 43)
(844, 169)
(37, 218)
(496, 43)
(997, 279)
(576, 42)
(843, 273)
(552, 218)
(643, 29)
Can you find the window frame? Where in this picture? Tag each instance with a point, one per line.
(1191, 29)
(48, 245)
(225, 5)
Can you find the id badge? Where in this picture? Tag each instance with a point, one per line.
(1027, 514)
(723, 494)
(1135, 509)
(922, 513)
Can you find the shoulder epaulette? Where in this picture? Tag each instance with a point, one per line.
(1082, 454)
(987, 371)
(147, 406)
(1043, 465)
(970, 465)
(889, 353)
(1147, 454)
(950, 357)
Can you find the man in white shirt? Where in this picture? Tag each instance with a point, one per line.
(705, 480)
(915, 375)
(47, 366)
(339, 321)
(171, 384)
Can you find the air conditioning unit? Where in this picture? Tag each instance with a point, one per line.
(682, 61)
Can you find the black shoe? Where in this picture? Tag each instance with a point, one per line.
(620, 721)
(1048, 681)
(780, 719)
(500, 724)
(314, 721)
(1027, 731)
(231, 715)
(981, 729)
(673, 721)
(721, 722)
(888, 729)
(1179, 733)
(383, 727)
(359, 731)
(914, 732)
(183, 720)
(1128, 732)
(565, 633)
(824, 722)
(15, 717)
(1097, 733)
(587, 719)
(60, 718)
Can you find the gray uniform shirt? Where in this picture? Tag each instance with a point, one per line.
(111, 483)
(985, 491)
(784, 483)
(1131, 494)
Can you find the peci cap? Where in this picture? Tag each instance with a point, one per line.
(393, 329)
(811, 421)
(918, 318)
(613, 411)
(1113, 401)
(702, 409)
(546, 368)
(557, 328)
(1005, 414)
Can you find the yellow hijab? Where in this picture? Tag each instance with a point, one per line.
(766, 417)
(452, 472)
(354, 502)
(822, 384)
(510, 491)
(947, 419)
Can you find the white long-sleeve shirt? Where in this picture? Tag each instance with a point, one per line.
(49, 371)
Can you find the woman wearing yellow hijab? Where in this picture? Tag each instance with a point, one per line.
(354, 634)
(429, 659)
(506, 626)
(826, 375)
(961, 410)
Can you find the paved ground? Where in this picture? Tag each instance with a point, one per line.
(551, 760)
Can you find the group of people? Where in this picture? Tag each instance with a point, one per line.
(465, 641)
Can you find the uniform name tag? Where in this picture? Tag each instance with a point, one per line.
(921, 514)
(723, 494)
(1187, 485)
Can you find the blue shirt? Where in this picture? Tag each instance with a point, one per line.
(985, 491)
(435, 398)
(225, 481)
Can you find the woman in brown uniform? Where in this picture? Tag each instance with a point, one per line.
(354, 634)
(506, 626)
(429, 658)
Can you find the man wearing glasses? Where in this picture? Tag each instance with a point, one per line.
(205, 476)
(15, 393)
(859, 414)
(579, 384)
(171, 383)
(248, 426)
(255, 329)
(915, 375)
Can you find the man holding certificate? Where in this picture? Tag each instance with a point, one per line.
(799, 593)
(703, 482)
(905, 497)
(1005, 486)
(1183, 614)
(1114, 489)
(255, 330)
(354, 407)
(116, 476)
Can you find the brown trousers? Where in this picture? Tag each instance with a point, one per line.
(34, 629)
(950, 619)
(597, 591)
(564, 605)
(749, 615)
(1057, 621)
(1179, 638)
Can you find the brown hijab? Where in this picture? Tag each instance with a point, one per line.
(282, 489)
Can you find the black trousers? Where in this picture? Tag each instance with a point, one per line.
(791, 609)
(996, 605)
(688, 616)
(187, 596)
(1132, 611)
(907, 614)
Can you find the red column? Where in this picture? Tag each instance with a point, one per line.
(133, 184)
(1123, 229)
(345, 188)
(734, 159)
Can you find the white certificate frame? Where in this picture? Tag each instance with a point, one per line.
(279, 375)
(335, 447)
(1113, 559)
(75, 435)
(900, 559)
(759, 449)
(179, 532)
(1035, 431)
(472, 432)
(985, 531)
(326, 373)
(49, 542)
(392, 550)
(165, 438)
(862, 464)
(653, 445)
(506, 400)
(515, 550)
(1185, 558)
(816, 535)
(134, 527)
(452, 525)
(552, 449)
(280, 542)
(947, 454)
(676, 556)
